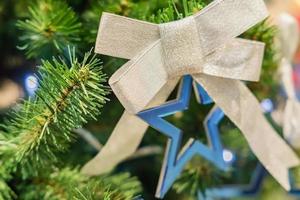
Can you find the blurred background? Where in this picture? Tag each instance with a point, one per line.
(292, 7)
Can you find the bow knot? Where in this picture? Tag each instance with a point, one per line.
(181, 47)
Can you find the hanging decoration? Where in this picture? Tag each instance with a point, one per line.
(175, 159)
(205, 46)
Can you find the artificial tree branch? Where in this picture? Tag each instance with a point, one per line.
(67, 183)
(50, 26)
(70, 94)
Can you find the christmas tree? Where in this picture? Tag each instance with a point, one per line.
(46, 137)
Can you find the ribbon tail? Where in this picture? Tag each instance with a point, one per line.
(244, 110)
(126, 137)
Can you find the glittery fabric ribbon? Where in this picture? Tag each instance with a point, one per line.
(205, 46)
(289, 41)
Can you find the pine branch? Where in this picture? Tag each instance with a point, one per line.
(66, 99)
(51, 25)
(68, 184)
(115, 187)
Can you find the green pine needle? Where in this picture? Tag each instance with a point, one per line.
(199, 175)
(69, 95)
(5, 191)
(113, 187)
(51, 25)
(173, 11)
(69, 183)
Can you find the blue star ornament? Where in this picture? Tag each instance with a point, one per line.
(175, 159)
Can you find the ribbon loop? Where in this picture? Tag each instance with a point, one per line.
(124, 37)
(223, 20)
(240, 59)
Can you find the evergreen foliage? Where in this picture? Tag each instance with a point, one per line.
(109, 188)
(67, 98)
(65, 184)
(50, 27)
(70, 93)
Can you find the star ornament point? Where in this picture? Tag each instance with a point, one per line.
(176, 159)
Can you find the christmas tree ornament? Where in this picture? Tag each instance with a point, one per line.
(176, 159)
(289, 41)
(205, 46)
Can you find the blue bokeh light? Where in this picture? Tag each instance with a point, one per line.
(228, 156)
(267, 105)
(31, 84)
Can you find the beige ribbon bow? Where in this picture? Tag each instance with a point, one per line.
(289, 41)
(205, 46)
